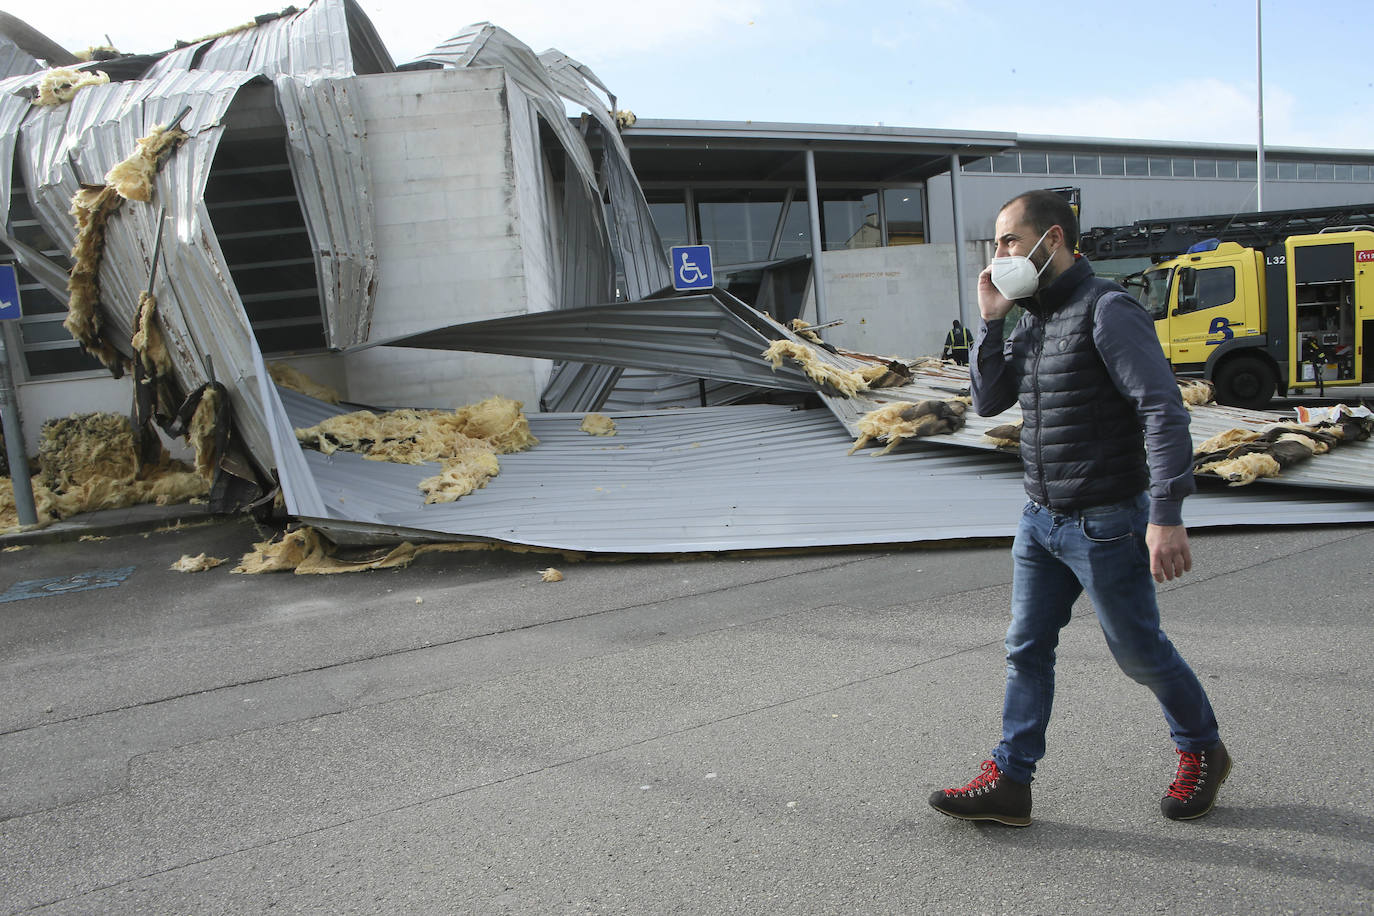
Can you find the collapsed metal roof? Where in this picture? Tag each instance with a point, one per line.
(744, 477)
(717, 478)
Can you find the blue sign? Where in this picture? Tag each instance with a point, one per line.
(9, 294)
(691, 267)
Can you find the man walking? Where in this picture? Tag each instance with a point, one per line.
(1108, 462)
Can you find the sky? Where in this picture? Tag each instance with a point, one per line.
(1163, 70)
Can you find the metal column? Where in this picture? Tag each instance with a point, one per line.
(957, 199)
(14, 441)
(817, 275)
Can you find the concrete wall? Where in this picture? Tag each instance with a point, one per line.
(894, 301)
(449, 236)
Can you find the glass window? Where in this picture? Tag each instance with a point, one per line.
(1206, 288)
(849, 219)
(1006, 163)
(1206, 168)
(1359, 173)
(796, 227)
(669, 211)
(1156, 293)
(1307, 171)
(1341, 172)
(1271, 170)
(1183, 168)
(1161, 166)
(1137, 165)
(1061, 164)
(738, 225)
(1246, 169)
(1033, 163)
(1288, 170)
(978, 165)
(1324, 171)
(1113, 165)
(1086, 165)
(1226, 168)
(905, 216)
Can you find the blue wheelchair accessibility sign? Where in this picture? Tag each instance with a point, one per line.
(691, 267)
(9, 294)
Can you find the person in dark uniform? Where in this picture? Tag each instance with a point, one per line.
(957, 344)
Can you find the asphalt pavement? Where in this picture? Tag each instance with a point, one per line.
(725, 735)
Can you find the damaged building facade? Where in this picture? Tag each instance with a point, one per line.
(440, 232)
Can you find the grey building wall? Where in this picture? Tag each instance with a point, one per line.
(1121, 201)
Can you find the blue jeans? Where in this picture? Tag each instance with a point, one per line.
(1101, 551)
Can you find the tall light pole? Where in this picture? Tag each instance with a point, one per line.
(1259, 92)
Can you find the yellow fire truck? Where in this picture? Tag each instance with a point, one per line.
(1287, 308)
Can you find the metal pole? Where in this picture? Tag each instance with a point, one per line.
(817, 275)
(1259, 92)
(14, 441)
(956, 196)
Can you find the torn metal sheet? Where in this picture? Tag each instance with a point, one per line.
(710, 335)
(325, 147)
(719, 479)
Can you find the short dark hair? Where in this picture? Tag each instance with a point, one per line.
(1044, 209)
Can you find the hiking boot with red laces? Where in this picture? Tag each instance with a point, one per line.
(990, 797)
(1194, 789)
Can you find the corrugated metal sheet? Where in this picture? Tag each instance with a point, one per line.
(329, 168)
(15, 61)
(701, 335)
(1349, 468)
(719, 478)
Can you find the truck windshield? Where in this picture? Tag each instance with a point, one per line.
(1155, 295)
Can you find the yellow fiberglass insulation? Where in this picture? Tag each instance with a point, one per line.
(1005, 435)
(147, 341)
(458, 476)
(89, 461)
(1244, 469)
(132, 179)
(551, 575)
(289, 377)
(904, 420)
(1227, 439)
(416, 436)
(845, 382)
(92, 208)
(1196, 392)
(305, 552)
(598, 424)
(62, 84)
(203, 433)
(198, 563)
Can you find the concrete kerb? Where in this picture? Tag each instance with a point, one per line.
(110, 523)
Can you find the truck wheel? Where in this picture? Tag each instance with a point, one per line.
(1245, 381)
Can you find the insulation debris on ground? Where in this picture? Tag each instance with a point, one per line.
(550, 575)
(305, 551)
(597, 424)
(847, 383)
(1242, 456)
(905, 420)
(289, 377)
(466, 441)
(61, 84)
(132, 179)
(198, 563)
(89, 462)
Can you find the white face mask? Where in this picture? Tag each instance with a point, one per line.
(1016, 277)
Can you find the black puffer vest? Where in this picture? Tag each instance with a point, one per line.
(1081, 441)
